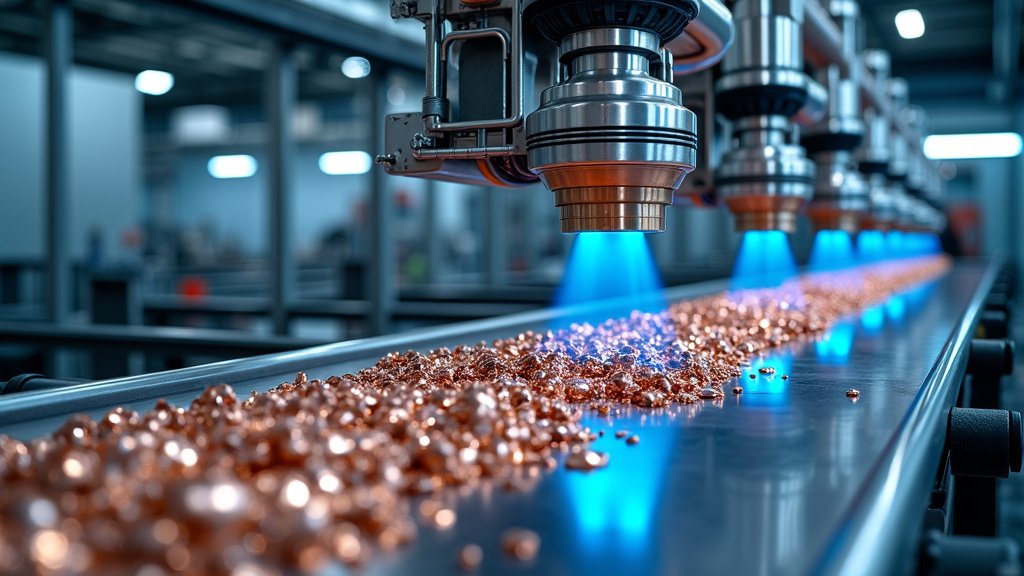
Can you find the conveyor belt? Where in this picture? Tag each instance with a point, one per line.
(792, 477)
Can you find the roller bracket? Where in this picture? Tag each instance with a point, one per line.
(985, 443)
(945, 555)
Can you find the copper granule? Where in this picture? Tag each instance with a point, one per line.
(851, 393)
(318, 469)
(766, 370)
(785, 377)
(622, 434)
(470, 557)
(709, 393)
(586, 460)
(737, 390)
(753, 376)
(520, 543)
(633, 440)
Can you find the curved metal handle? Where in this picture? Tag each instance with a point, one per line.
(705, 40)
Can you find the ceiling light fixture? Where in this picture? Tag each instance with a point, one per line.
(969, 146)
(154, 82)
(345, 163)
(356, 67)
(233, 166)
(910, 24)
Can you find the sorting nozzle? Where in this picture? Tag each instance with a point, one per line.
(613, 141)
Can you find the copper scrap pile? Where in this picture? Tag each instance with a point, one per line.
(316, 470)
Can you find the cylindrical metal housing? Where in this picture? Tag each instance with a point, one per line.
(841, 196)
(612, 142)
(882, 213)
(766, 179)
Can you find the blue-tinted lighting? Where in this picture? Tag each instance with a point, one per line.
(896, 308)
(871, 247)
(835, 346)
(873, 319)
(610, 265)
(767, 390)
(917, 297)
(605, 512)
(833, 250)
(765, 260)
(895, 244)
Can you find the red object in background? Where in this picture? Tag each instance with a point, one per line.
(131, 237)
(965, 222)
(193, 287)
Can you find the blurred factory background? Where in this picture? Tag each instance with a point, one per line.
(188, 181)
(207, 164)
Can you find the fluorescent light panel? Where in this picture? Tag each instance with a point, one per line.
(154, 82)
(233, 166)
(356, 67)
(910, 24)
(345, 163)
(968, 146)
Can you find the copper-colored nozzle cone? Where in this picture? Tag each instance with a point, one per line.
(612, 209)
(830, 218)
(763, 212)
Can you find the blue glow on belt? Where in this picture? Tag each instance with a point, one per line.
(873, 319)
(617, 504)
(835, 345)
(766, 390)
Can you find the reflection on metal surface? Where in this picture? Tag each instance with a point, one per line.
(768, 390)
(835, 346)
(767, 507)
(873, 319)
(896, 308)
(618, 504)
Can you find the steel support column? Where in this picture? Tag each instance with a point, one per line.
(279, 101)
(59, 45)
(495, 251)
(381, 289)
(432, 230)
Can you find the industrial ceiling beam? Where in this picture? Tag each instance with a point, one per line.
(299, 22)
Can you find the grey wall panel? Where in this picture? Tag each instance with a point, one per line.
(105, 158)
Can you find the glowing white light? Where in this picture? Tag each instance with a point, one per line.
(356, 67)
(910, 24)
(396, 95)
(345, 163)
(296, 493)
(154, 82)
(234, 166)
(965, 146)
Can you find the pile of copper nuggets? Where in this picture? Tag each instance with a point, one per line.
(316, 470)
